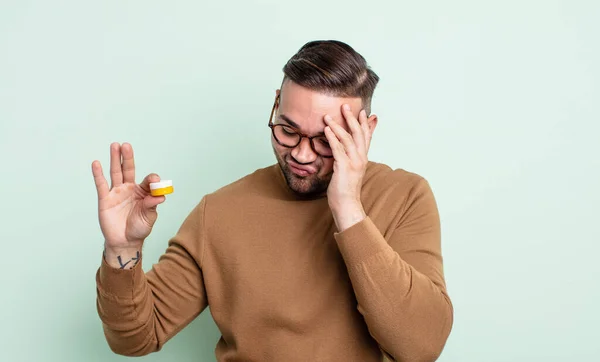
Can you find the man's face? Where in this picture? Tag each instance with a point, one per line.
(306, 172)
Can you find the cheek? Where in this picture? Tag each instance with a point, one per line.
(276, 146)
(327, 167)
(280, 150)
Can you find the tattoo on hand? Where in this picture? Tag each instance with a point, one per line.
(135, 260)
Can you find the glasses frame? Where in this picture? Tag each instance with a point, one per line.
(302, 135)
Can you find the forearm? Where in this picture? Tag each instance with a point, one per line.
(141, 311)
(124, 304)
(408, 314)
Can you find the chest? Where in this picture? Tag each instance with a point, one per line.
(288, 273)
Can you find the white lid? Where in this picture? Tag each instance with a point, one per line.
(161, 184)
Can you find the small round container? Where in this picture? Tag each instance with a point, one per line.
(161, 188)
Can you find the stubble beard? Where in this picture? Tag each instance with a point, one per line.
(307, 186)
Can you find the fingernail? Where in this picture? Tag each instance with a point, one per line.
(346, 107)
(328, 118)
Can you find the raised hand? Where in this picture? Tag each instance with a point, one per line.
(350, 152)
(126, 210)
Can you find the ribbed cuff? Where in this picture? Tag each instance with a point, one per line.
(119, 282)
(360, 241)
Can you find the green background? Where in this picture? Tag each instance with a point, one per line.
(495, 103)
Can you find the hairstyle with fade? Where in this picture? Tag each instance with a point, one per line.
(333, 68)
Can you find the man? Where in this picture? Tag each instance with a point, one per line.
(324, 256)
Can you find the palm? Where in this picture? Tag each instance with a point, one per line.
(121, 216)
(126, 211)
(338, 183)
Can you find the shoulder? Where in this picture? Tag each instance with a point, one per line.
(391, 195)
(382, 179)
(247, 189)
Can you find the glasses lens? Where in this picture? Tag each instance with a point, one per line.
(286, 135)
(322, 146)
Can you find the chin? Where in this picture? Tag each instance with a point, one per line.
(302, 185)
(305, 186)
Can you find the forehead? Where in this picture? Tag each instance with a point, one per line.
(307, 107)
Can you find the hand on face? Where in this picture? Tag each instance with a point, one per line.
(350, 157)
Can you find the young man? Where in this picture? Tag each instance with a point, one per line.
(324, 256)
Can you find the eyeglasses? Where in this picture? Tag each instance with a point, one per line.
(290, 137)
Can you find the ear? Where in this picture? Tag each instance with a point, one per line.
(372, 122)
(277, 92)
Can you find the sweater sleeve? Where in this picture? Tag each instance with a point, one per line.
(398, 280)
(141, 311)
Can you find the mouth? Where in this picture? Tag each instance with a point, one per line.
(301, 171)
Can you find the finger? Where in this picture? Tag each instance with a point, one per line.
(116, 176)
(99, 180)
(369, 132)
(145, 185)
(151, 202)
(355, 128)
(128, 163)
(342, 136)
(364, 125)
(336, 146)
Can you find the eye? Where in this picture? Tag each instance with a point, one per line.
(288, 131)
(322, 141)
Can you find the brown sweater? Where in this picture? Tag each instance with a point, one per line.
(284, 285)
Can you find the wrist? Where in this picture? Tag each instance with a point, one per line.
(348, 214)
(339, 204)
(122, 257)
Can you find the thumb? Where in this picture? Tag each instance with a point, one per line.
(148, 209)
(151, 202)
(145, 185)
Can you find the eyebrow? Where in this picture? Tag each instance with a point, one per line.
(294, 124)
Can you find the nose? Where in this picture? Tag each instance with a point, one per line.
(303, 153)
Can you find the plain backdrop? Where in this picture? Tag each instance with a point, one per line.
(494, 102)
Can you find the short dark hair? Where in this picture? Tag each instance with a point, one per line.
(334, 68)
